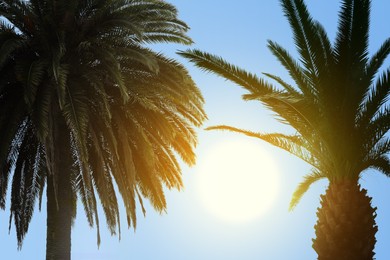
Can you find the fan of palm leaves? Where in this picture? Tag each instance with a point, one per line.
(337, 104)
(128, 111)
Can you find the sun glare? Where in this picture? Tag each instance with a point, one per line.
(238, 180)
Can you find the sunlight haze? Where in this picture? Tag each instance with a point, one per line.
(237, 180)
(202, 221)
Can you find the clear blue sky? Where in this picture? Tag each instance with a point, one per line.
(236, 30)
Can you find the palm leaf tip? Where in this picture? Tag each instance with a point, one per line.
(199, 58)
(303, 187)
(231, 129)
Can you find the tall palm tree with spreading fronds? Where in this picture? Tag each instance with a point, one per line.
(84, 106)
(337, 106)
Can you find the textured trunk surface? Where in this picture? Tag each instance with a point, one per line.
(59, 207)
(346, 226)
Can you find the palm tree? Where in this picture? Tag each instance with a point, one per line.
(337, 106)
(84, 104)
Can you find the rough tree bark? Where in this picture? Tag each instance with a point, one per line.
(346, 225)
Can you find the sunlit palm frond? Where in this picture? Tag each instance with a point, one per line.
(291, 144)
(308, 180)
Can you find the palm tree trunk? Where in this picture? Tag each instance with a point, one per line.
(346, 226)
(59, 194)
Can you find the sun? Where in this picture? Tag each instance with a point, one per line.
(238, 180)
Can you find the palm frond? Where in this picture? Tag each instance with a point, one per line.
(12, 127)
(103, 183)
(80, 69)
(291, 144)
(297, 73)
(377, 129)
(343, 36)
(287, 87)
(377, 60)
(310, 39)
(217, 65)
(308, 180)
(381, 163)
(340, 116)
(375, 100)
(9, 43)
(41, 110)
(25, 188)
(352, 36)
